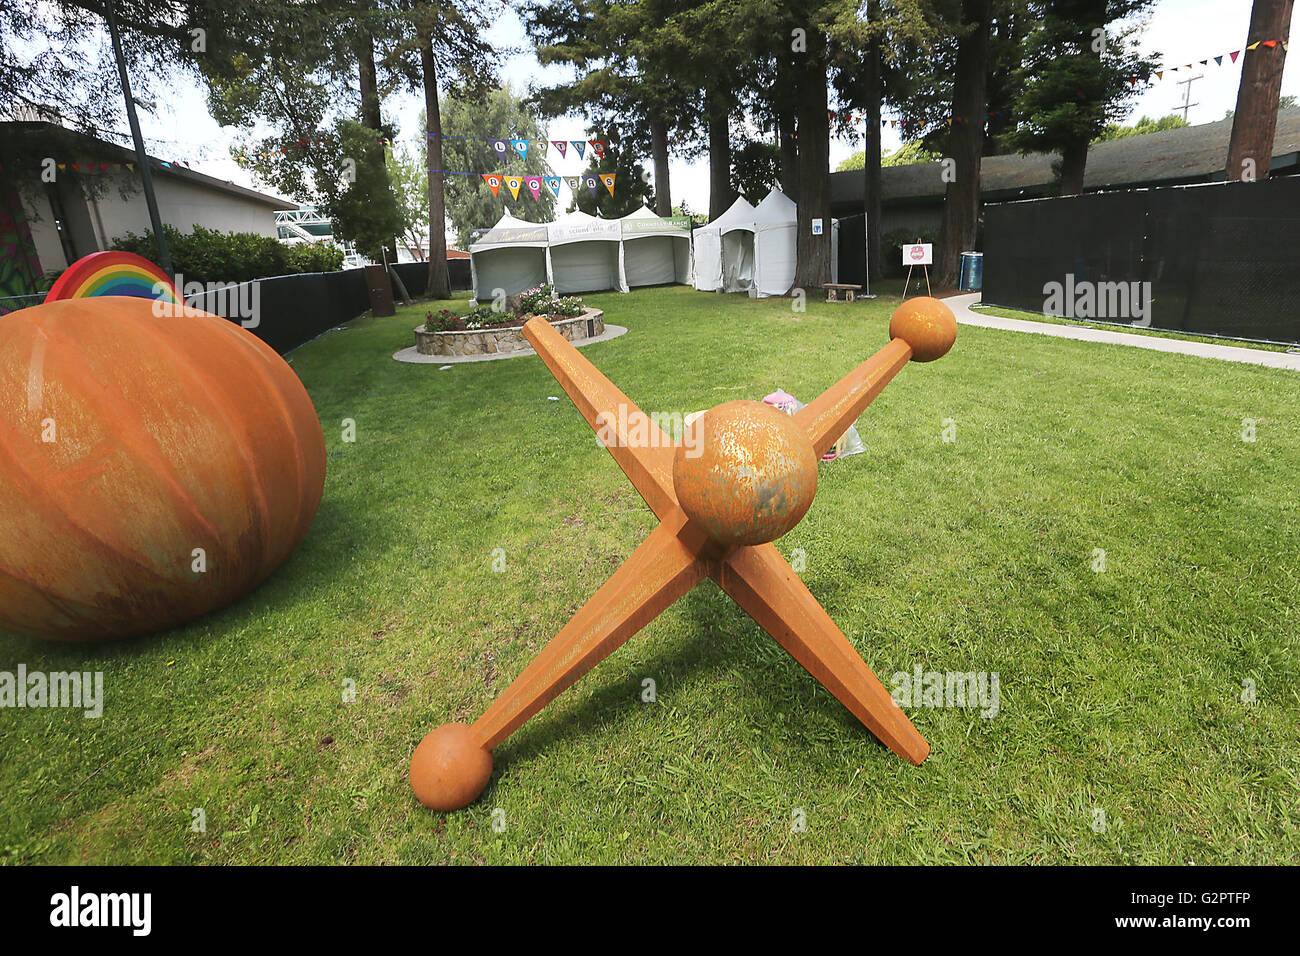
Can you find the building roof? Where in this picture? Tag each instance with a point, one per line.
(1192, 154)
(107, 151)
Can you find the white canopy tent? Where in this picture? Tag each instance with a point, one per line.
(776, 224)
(583, 254)
(510, 258)
(753, 248)
(724, 251)
(655, 250)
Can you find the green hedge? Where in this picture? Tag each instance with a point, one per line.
(208, 255)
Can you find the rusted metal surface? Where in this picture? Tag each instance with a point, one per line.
(135, 448)
(753, 479)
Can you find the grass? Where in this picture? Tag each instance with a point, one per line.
(1121, 691)
(1126, 327)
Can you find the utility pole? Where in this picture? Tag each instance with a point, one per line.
(142, 160)
(1187, 94)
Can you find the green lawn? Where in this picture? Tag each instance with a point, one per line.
(1121, 691)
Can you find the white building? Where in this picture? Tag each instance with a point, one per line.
(68, 222)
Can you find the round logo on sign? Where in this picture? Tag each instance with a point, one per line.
(918, 253)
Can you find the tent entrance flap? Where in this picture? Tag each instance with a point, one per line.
(510, 269)
(656, 260)
(738, 261)
(585, 267)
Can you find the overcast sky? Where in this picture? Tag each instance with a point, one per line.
(1181, 31)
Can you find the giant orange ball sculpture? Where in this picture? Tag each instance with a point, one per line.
(156, 463)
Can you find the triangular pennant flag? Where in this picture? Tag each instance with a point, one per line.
(561, 145)
(1132, 81)
(501, 147)
(1205, 62)
(1234, 54)
(591, 186)
(1253, 46)
(598, 147)
(579, 147)
(513, 183)
(534, 184)
(1270, 43)
(63, 165)
(553, 184)
(493, 181)
(521, 147)
(1218, 61)
(573, 182)
(608, 180)
(1160, 74)
(540, 146)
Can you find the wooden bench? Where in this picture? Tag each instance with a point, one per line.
(834, 288)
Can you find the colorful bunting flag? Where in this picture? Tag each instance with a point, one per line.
(579, 147)
(513, 183)
(573, 182)
(591, 185)
(520, 147)
(608, 180)
(500, 146)
(534, 184)
(561, 145)
(1218, 61)
(1234, 54)
(553, 184)
(598, 147)
(1253, 46)
(493, 181)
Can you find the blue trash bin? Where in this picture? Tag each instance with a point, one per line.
(972, 272)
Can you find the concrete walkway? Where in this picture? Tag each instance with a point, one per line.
(961, 307)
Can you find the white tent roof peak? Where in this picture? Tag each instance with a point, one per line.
(641, 212)
(777, 207)
(739, 216)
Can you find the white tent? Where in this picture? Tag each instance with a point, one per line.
(509, 258)
(655, 250)
(724, 251)
(776, 223)
(753, 248)
(583, 254)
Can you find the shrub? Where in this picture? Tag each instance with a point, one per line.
(439, 321)
(315, 257)
(544, 301)
(208, 255)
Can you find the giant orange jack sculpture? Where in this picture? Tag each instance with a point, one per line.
(746, 477)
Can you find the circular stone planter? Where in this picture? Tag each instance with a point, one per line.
(494, 340)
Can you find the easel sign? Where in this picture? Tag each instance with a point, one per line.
(918, 254)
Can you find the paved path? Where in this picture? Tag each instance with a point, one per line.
(961, 307)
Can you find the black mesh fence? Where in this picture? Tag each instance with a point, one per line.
(1221, 259)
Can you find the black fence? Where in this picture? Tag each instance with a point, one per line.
(1220, 259)
(287, 311)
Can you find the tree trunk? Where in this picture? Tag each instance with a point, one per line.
(439, 283)
(659, 152)
(371, 107)
(1074, 163)
(813, 253)
(872, 94)
(788, 150)
(961, 205)
(1255, 121)
(721, 193)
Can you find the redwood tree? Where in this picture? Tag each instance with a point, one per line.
(1255, 121)
(966, 142)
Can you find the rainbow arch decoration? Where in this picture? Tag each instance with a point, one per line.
(113, 273)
